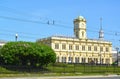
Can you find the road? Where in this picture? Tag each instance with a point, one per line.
(118, 77)
(68, 77)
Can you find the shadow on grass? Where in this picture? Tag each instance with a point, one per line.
(29, 69)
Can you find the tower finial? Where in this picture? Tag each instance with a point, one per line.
(101, 23)
(101, 33)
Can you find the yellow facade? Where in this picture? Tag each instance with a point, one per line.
(80, 49)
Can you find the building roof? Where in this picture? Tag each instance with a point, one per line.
(2, 41)
(81, 18)
(74, 38)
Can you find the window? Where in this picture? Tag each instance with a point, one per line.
(83, 60)
(76, 59)
(77, 34)
(77, 47)
(82, 34)
(96, 60)
(101, 49)
(56, 46)
(107, 49)
(102, 61)
(76, 25)
(70, 47)
(63, 59)
(95, 48)
(63, 46)
(83, 48)
(70, 59)
(89, 48)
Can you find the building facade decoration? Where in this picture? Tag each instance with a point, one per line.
(80, 49)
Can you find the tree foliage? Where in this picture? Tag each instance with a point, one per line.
(26, 53)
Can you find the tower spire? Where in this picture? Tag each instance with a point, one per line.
(101, 23)
(101, 33)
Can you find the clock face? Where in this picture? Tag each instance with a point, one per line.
(77, 25)
(82, 24)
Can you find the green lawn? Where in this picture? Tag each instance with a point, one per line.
(78, 68)
(60, 69)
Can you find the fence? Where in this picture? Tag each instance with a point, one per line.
(61, 68)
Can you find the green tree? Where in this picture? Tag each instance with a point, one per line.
(26, 53)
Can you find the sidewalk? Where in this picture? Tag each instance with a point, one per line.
(64, 77)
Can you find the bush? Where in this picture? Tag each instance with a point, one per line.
(26, 53)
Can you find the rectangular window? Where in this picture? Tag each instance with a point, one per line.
(63, 46)
(83, 48)
(107, 49)
(101, 49)
(95, 48)
(70, 47)
(89, 48)
(56, 46)
(77, 47)
(69, 59)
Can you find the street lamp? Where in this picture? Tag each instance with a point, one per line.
(16, 37)
(117, 54)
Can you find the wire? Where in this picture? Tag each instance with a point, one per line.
(48, 20)
(54, 22)
(31, 15)
(58, 25)
(49, 23)
(18, 19)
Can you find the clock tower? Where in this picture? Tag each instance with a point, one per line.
(80, 27)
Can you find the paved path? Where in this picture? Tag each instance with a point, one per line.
(69, 77)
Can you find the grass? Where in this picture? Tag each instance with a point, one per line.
(60, 70)
(78, 68)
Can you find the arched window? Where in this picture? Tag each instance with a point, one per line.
(70, 59)
(82, 33)
(63, 59)
(83, 60)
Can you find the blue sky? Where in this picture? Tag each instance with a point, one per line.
(29, 18)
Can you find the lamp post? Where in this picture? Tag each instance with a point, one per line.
(117, 54)
(16, 37)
